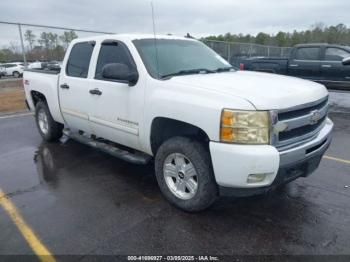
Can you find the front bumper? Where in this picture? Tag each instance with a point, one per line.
(233, 164)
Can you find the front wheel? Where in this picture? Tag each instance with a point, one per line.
(48, 128)
(184, 174)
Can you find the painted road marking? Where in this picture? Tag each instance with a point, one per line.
(16, 115)
(337, 159)
(34, 242)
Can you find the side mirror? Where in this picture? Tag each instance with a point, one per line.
(120, 72)
(346, 61)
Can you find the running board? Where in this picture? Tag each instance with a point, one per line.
(135, 158)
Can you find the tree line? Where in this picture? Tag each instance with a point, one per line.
(318, 33)
(51, 46)
(44, 47)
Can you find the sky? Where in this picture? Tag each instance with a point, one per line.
(178, 17)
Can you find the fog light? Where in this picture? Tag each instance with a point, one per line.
(256, 178)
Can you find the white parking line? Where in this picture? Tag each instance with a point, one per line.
(16, 115)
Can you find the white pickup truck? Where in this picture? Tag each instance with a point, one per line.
(211, 130)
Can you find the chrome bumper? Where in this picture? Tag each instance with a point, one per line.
(313, 147)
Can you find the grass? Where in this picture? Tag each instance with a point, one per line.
(12, 96)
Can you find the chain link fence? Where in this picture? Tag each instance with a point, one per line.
(29, 43)
(233, 51)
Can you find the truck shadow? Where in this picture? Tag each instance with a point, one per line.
(57, 163)
(72, 171)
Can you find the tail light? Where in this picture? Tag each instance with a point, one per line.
(241, 66)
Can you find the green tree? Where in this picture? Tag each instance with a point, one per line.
(67, 37)
(317, 33)
(30, 38)
(44, 40)
(53, 40)
(281, 39)
(262, 39)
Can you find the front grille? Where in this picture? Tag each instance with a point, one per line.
(300, 131)
(300, 112)
(301, 122)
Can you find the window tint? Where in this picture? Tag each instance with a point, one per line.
(79, 59)
(112, 53)
(336, 54)
(307, 53)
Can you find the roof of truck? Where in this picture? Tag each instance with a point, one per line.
(131, 37)
(322, 44)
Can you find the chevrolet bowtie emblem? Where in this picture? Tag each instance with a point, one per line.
(315, 117)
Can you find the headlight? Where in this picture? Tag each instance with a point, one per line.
(245, 127)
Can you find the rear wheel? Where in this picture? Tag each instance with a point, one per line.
(184, 174)
(16, 74)
(48, 128)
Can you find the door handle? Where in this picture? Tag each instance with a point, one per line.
(95, 92)
(64, 86)
(293, 65)
(326, 66)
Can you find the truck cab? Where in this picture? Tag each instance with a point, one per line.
(210, 129)
(322, 63)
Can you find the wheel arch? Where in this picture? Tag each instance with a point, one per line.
(163, 128)
(37, 96)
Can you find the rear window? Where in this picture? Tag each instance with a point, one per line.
(308, 53)
(79, 59)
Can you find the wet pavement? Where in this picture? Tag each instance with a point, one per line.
(82, 201)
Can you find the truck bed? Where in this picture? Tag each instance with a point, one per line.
(44, 71)
(45, 82)
(265, 64)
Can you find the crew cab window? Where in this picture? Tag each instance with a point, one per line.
(307, 53)
(112, 52)
(336, 54)
(79, 60)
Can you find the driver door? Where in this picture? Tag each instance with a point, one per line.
(332, 68)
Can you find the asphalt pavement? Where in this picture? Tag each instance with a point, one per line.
(80, 201)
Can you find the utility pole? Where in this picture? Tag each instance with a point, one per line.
(22, 44)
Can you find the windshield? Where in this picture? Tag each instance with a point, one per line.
(176, 57)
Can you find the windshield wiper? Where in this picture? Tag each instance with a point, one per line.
(188, 72)
(225, 69)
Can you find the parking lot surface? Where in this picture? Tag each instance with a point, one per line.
(81, 201)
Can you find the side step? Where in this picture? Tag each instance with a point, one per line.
(112, 149)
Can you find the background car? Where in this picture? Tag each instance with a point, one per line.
(2, 71)
(14, 69)
(52, 65)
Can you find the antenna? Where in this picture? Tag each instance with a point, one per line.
(155, 39)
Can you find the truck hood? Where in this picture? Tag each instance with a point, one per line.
(265, 91)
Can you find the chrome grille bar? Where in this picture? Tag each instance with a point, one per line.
(299, 124)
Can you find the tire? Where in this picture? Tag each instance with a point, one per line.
(48, 128)
(183, 189)
(16, 74)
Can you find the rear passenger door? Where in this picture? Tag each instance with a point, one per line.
(75, 99)
(305, 63)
